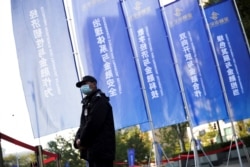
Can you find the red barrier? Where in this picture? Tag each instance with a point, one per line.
(48, 160)
(190, 156)
(52, 156)
(14, 141)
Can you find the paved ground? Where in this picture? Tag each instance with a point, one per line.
(232, 163)
(235, 163)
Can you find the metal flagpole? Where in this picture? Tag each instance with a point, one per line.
(77, 58)
(248, 47)
(79, 68)
(39, 155)
(177, 68)
(243, 30)
(143, 87)
(223, 85)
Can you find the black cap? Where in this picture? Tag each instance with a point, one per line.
(85, 79)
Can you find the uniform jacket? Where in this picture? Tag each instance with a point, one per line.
(96, 131)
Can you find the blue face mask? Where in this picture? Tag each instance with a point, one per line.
(85, 89)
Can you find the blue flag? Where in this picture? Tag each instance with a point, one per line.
(233, 56)
(106, 54)
(194, 58)
(151, 48)
(131, 157)
(67, 164)
(46, 65)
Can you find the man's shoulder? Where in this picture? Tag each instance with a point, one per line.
(99, 95)
(102, 98)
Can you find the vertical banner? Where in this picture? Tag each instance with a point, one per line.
(151, 48)
(233, 56)
(46, 64)
(131, 157)
(106, 53)
(194, 56)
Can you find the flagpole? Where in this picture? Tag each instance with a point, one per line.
(183, 94)
(70, 21)
(72, 34)
(243, 30)
(222, 82)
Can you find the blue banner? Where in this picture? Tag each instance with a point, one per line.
(131, 157)
(233, 56)
(46, 65)
(194, 58)
(106, 53)
(151, 48)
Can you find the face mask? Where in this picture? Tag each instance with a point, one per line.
(85, 89)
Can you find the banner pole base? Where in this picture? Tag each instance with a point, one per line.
(234, 138)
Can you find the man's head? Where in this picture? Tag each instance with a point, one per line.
(87, 84)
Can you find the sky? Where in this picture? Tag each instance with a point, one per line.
(14, 116)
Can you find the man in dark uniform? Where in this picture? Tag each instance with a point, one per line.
(95, 137)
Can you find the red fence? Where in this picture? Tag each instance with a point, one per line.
(51, 156)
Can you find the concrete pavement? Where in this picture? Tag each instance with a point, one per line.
(235, 163)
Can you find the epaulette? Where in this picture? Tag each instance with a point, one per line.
(98, 94)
